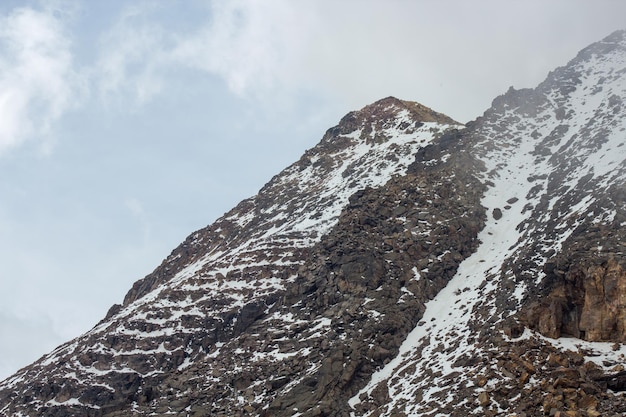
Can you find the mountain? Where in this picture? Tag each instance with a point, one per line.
(407, 265)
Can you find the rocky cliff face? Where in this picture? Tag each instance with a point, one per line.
(406, 265)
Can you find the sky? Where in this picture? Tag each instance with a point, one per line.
(127, 125)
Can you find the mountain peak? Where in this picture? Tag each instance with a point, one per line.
(391, 106)
(386, 117)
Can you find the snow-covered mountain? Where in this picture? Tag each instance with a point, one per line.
(405, 266)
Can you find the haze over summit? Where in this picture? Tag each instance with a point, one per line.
(124, 127)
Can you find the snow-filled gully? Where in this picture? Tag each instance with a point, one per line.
(465, 291)
(442, 335)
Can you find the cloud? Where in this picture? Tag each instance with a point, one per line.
(276, 52)
(352, 52)
(252, 46)
(37, 81)
(453, 56)
(131, 57)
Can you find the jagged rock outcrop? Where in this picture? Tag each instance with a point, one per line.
(585, 300)
(404, 266)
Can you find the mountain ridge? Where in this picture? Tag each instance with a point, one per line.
(405, 265)
(167, 301)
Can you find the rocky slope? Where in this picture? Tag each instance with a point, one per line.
(550, 263)
(405, 266)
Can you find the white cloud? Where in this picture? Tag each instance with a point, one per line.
(131, 57)
(352, 51)
(37, 82)
(253, 46)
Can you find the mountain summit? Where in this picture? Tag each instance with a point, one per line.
(407, 265)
